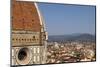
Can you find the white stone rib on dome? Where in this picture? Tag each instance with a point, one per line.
(42, 23)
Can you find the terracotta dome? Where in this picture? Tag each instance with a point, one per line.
(25, 16)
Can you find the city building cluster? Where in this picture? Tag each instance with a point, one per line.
(70, 52)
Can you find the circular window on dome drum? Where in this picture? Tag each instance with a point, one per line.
(22, 54)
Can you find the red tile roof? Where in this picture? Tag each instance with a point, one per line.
(25, 16)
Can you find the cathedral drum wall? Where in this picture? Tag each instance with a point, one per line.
(28, 38)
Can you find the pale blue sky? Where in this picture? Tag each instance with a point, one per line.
(68, 19)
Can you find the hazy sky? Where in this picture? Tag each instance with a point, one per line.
(68, 19)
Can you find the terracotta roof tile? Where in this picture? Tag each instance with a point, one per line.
(25, 16)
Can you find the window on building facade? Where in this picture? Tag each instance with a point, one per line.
(34, 50)
(38, 58)
(38, 50)
(34, 58)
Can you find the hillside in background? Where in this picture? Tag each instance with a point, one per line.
(72, 37)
